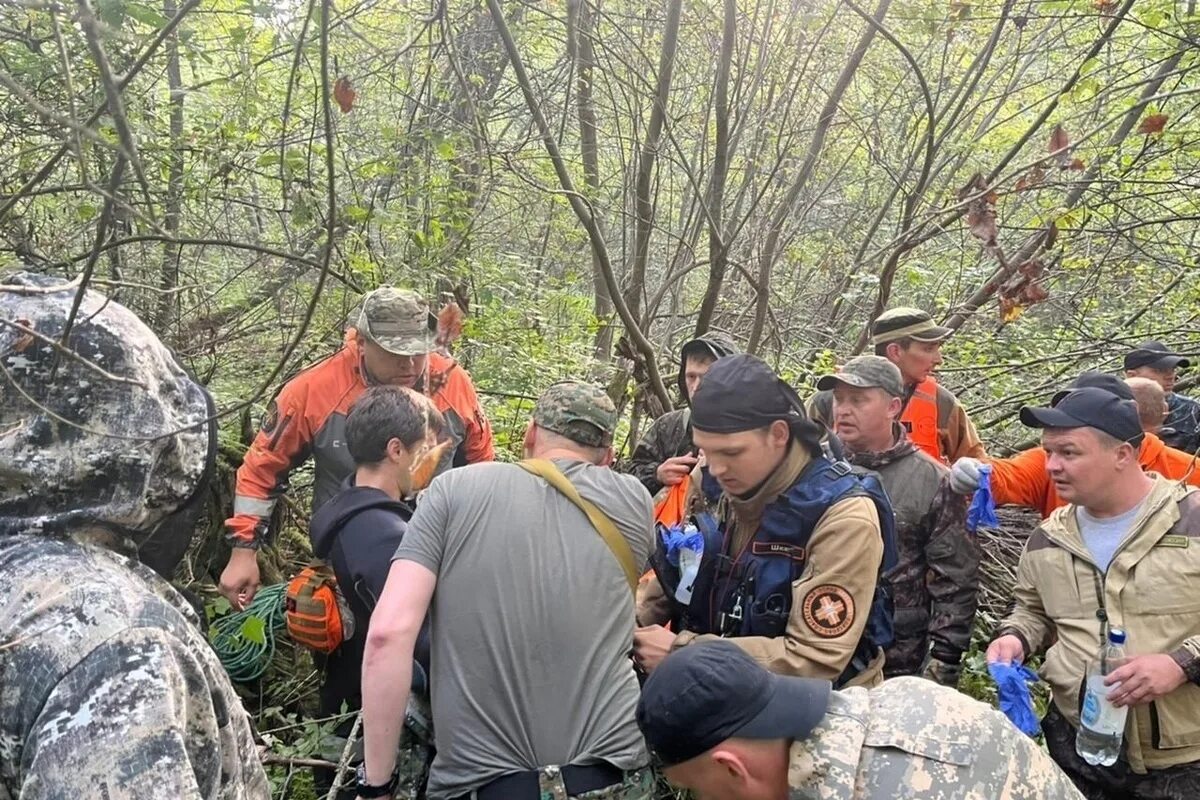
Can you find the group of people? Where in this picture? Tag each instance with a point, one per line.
(772, 599)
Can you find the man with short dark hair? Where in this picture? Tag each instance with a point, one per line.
(1125, 552)
(666, 454)
(727, 729)
(935, 584)
(931, 415)
(1154, 360)
(789, 564)
(359, 529)
(390, 344)
(528, 571)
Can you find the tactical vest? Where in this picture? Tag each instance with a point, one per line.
(750, 593)
(920, 419)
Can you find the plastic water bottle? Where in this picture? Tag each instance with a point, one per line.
(1101, 724)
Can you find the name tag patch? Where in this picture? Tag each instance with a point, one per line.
(1173, 540)
(792, 551)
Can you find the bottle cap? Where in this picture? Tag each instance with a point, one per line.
(1116, 636)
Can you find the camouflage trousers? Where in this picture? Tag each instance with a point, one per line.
(638, 785)
(1119, 781)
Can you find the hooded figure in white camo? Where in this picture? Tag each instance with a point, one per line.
(108, 688)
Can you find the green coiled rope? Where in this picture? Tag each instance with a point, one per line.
(245, 640)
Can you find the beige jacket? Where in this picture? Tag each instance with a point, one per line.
(845, 551)
(1151, 590)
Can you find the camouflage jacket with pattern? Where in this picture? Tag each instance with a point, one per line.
(912, 738)
(108, 688)
(936, 583)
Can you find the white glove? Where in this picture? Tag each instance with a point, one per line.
(964, 475)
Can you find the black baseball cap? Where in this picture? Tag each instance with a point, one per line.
(708, 692)
(1109, 383)
(741, 393)
(1089, 407)
(1153, 353)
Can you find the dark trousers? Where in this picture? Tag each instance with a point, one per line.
(1118, 782)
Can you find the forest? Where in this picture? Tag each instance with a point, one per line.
(594, 182)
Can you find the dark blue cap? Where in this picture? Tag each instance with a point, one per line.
(1089, 407)
(1110, 383)
(708, 692)
(741, 393)
(1153, 353)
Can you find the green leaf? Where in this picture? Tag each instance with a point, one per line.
(268, 159)
(445, 150)
(146, 15)
(86, 211)
(254, 630)
(357, 213)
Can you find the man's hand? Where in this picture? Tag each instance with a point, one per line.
(1006, 650)
(1144, 679)
(650, 646)
(964, 475)
(674, 470)
(240, 580)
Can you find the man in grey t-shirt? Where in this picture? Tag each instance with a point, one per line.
(532, 622)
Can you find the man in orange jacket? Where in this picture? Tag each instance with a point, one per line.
(932, 416)
(1023, 481)
(391, 344)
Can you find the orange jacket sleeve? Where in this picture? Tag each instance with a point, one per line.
(1022, 480)
(282, 444)
(479, 443)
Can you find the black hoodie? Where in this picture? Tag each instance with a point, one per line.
(357, 532)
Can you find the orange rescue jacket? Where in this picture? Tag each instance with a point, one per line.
(1022, 479)
(920, 419)
(308, 418)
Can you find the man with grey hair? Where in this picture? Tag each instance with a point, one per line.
(528, 571)
(391, 345)
(108, 687)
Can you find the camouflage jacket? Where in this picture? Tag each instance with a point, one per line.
(1181, 428)
(912, 738)
(668, 436)
(108, 688)
(936, 582)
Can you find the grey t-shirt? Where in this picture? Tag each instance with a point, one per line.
(1103, 535)
(532, 621)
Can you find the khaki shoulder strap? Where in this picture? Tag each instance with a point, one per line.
(546, 470)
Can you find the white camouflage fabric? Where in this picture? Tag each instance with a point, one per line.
(108, 688)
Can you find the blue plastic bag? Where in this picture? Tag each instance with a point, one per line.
(681, 537)
(983, 505)
(1012, 690)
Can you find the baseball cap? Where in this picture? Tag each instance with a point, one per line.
(397, 320)
(1153, 353)
(1089, 407)
(708, 692)
(583, 413)
(907, 323)
(866, 372)
(1109, 383)
(741, 393)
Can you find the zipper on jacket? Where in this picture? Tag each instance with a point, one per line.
(1101, 610)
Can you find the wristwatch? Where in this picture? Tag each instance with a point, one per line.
(365, 789)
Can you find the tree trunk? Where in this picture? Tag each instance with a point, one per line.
(168, 279)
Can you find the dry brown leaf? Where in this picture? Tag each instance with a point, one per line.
(344, 94)
(1076, 165)
(449, 325)
(1152, 123)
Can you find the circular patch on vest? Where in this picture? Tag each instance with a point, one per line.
(828, 610)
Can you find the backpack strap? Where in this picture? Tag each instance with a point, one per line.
(546, 470)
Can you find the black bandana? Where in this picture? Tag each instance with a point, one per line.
(741, 393)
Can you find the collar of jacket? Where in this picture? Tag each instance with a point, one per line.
(1151, 450)
(902, 447)
(824, 765)
(1159, 513)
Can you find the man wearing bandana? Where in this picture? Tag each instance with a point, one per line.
(792, 552)
(391, 345)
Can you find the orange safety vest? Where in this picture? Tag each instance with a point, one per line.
(920, 418)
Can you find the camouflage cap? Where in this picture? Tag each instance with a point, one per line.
(397, 320)
(907, 323)
(867, 372)
(582, 412)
